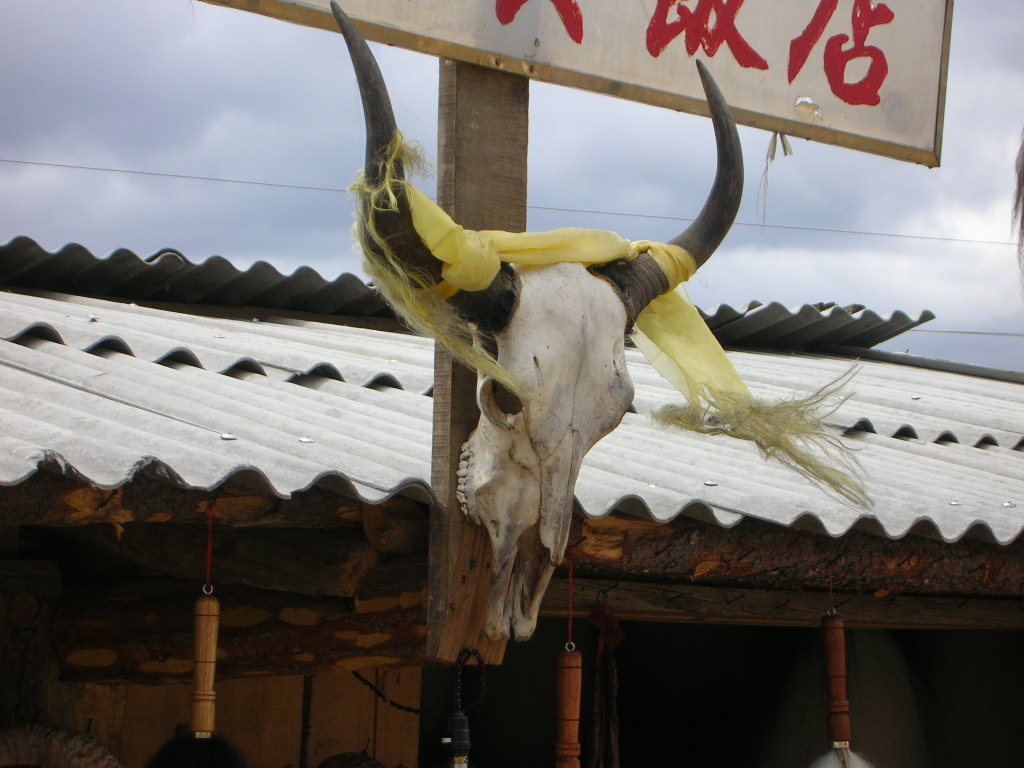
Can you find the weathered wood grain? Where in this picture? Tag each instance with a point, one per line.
(482, 162)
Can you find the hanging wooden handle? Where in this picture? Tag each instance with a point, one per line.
(838, 707)
(203, 695)
(570, 681)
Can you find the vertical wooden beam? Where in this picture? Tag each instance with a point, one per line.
(483, 117)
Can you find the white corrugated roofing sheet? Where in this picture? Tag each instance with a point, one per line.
(105, 390)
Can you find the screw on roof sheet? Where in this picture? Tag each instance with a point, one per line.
(227, 436)
(1009, 505)
(305, 439)
(219, 336)
(710, 483)
(915, 397)
(954, 503)
(92, 319)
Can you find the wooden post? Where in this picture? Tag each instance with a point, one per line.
(482, 147)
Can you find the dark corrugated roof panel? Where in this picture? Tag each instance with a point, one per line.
(106, 390)
(168, 276)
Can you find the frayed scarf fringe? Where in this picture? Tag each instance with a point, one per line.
(413, 295)
(841, 758)
(792, 433)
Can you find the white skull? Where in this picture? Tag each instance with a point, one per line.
(564, 344)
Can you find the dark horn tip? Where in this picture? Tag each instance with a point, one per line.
(719, 211)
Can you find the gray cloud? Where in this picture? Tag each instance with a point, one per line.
(186, 88)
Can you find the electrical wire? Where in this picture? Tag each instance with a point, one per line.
(553, 209)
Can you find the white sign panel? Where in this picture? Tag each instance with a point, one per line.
(867, 74)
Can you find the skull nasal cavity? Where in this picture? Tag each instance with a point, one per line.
(494, 393)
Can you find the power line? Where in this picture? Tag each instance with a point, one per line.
(828, 230)
(679, 219)
(1002, 334)
(172, 175)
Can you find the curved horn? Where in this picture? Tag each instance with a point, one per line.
(489, 308)
(712, 224)
(394, 225)
(641, 280)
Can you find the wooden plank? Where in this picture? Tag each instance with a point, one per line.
(763, 556)
(143, 633)
(94, 709)
(30, 577)
(28, 666)
(482, 158)
(347, 716)
(341, 717)
(150, 715)
(302, 561)
(50, 499)
(679, 603)
(614, 57)
(262, 717)
(397, 732)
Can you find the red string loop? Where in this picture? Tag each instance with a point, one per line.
(208, 587)
(569, 643)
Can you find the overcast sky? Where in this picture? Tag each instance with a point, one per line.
(172, 89)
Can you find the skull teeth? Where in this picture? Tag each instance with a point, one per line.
(465, 459)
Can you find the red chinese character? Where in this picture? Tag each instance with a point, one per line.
(696, 25)
(865, 16)
(568, 11)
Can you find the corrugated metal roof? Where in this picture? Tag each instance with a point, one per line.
(167, 276)
(107, 390)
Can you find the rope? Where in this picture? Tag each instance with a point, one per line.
(460, 664)
(383, 696)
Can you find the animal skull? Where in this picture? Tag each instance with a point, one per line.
(519, 466)
(559, 332)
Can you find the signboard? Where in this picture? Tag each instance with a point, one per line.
(865, 74)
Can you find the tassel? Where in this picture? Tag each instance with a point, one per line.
(838, 706)
(570, 680)
(841, 758)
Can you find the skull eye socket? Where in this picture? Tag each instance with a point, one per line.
(498, 404)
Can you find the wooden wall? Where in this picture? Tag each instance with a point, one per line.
(263, 717)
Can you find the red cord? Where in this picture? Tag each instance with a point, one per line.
(209, 547)
(571, 562)
(831, 594)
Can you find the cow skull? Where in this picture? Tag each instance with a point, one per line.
(519, 466)
(559, 333)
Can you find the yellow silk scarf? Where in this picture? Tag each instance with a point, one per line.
(669, 331)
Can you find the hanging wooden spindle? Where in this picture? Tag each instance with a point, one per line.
(569, 684)
(833, 635)
(570, 681)
(838, 708)
(199, 746)
(204, 697)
